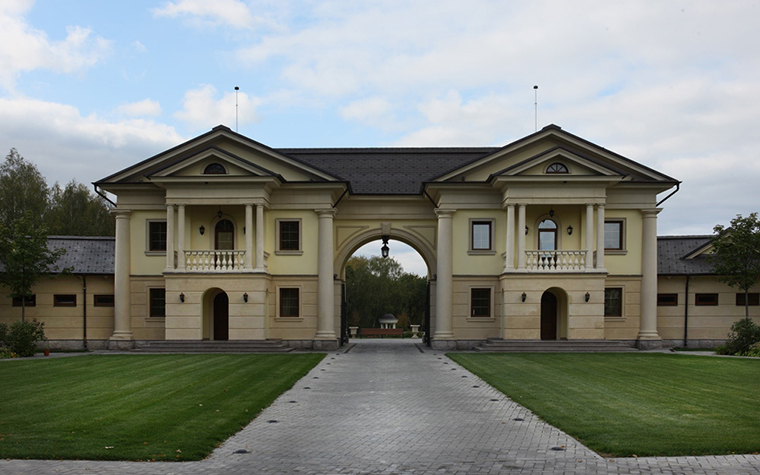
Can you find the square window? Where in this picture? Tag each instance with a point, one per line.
(157, 303)
(706, 299)
(613, 235)
(290, 235)
(29, 301)
(613, 302)
(66, 300)
(289, 302)
(103, 300)
(157, 236)
(481, 235)
(753, 299)
(480, 302)
(667, 300)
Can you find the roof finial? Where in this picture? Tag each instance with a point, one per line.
(535, 106)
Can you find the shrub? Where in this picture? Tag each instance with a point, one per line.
(22, 337)
(6, 353)
(743, 334)
(754, 350)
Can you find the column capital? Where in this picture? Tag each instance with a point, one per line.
(120, 213)
(326, 213)
(445, 213)
(651, 212)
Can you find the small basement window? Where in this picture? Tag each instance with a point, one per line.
(103, 301)
(667, 300)
(753, 299)
(706, 299)
(64, 300)
(29, 301)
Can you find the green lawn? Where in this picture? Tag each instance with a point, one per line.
(136, 407)
(635, 404)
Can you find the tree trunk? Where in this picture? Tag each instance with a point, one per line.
(23, 307)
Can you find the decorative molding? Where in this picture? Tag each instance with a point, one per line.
(428, 233)
(344, 233)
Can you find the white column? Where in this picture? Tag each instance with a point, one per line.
(260, 264)
(589, 237)
(169, 238)
(443, 293)
(325, 286)
(249, 237)
(181, 238)
(600, 237)
(648, 328)
(509, 261)
(521, 237)
(122, 327)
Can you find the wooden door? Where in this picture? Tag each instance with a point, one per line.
(548, 316)
(221, 317)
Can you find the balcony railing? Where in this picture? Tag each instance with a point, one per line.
(556, 261)
(214, 261)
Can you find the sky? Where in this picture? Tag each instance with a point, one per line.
(88, 87)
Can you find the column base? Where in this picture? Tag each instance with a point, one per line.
(121, 335)
(326, 345)
(325, 335)
(443, 345)
(443, 335)
(649, 341)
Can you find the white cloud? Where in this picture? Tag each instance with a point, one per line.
(232, 13)
(375, 111)
(25, 48)
(202, 110)
(65, 145)
(146, 107)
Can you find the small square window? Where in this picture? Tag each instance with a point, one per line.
(103, 300)
(480, 302)
(157, 303)
(29, 301)
(289, 235)
(667, 300)
(613, 235)
(65, 300)
(706, 299)
(289, 305)
(481, 235)
(753, 299)
(613, 302)
(157, 236)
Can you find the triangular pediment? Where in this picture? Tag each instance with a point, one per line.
(532, 155)
(238, 155)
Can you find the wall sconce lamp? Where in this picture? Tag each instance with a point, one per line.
(202, 230)
(570, 230)
(219, 213)
(182, 297)
(385, 250)
(551, 212)
(588, 296)
(526, 230)
(245, 297)
(524, 296)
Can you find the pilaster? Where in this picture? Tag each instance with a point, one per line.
(443, 294)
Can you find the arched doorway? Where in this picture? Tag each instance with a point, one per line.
(549, 316)
(221, 317)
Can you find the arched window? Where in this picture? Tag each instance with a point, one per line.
(215, 169)
(224, 235)
(547, 235)
(557, 168)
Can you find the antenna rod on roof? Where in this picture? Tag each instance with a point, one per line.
(535, 105)
(236, 108)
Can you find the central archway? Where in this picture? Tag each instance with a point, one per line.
(421, 245)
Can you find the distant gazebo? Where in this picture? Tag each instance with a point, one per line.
(388, 321)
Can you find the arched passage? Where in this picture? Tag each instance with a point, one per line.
(215, 315)
(420, 245)
(554, 314)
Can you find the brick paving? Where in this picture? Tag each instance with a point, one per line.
(396, 407)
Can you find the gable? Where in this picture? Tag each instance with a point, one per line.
(530, 157)
(239, 155)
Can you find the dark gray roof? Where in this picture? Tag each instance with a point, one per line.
(387, 171)
(671, 251)
(85, 254)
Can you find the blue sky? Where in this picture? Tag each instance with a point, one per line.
(90, 87)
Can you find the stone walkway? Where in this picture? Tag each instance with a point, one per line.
(396, 407)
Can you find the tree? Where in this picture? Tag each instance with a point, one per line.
(25, 257)
(22, 189)
(75, 211)
(736, 254)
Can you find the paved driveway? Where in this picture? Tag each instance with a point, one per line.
(396, 407)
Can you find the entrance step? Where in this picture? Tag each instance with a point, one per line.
(555, 346)
(196, 346)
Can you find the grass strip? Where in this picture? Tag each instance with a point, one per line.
(137, 407)
(634, 404)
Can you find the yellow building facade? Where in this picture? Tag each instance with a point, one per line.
(550, 237)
